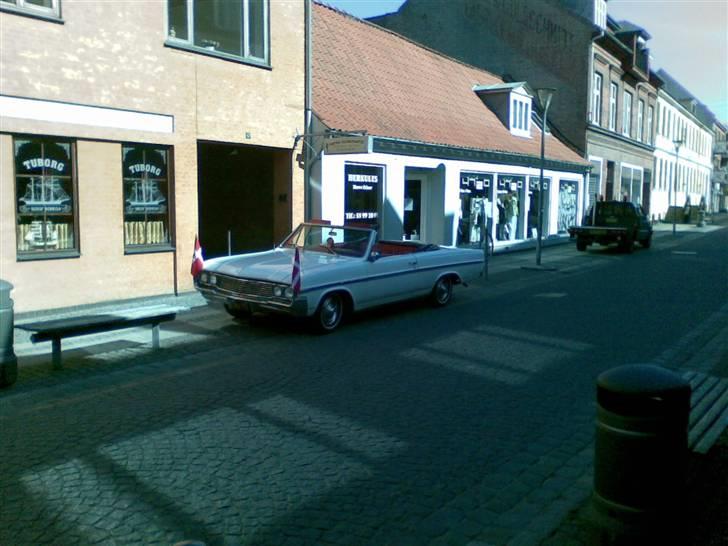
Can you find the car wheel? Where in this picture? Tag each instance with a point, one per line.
(580, 245)
(330, 313)
(647, 243)
(442, 292)
(238, 310)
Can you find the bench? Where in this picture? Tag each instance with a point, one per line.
(55, 330)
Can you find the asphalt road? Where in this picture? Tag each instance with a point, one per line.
(471, 424)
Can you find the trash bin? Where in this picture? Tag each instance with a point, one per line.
(8, 360)
(640, 455)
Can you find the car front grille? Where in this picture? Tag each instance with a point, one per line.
(244, 287)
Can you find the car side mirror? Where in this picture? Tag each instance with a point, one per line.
(374, 256)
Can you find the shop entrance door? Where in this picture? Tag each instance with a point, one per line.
(412, 209)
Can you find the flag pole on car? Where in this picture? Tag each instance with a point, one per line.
(296, 274)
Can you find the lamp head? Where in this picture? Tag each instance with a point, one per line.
(544, 96)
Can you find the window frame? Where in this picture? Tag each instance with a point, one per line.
(613, 102)
(597, 99)
(640, 119)
(23, 7)
(627, 113)
(169, 244)
(73, 252)
(520, 115)
(189, 43)
(650, 121)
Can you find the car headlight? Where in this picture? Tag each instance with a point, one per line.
(213, 279)
(289, 292)
(204, 277)
(277, 291)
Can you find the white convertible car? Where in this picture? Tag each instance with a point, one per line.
(342, 269)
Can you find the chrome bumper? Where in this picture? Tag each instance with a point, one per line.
(297, 308)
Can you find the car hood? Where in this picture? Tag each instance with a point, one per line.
(274, 265)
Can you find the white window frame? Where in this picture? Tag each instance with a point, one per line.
(627, 113)
(613, 90)
(24, 6)
(596, 117)
(520, 118)
(650, 116)
(600, 13)
(189, 42)
(640, 119)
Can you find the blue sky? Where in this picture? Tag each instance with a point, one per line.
(689, 39)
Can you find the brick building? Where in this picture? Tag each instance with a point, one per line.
(126, 128)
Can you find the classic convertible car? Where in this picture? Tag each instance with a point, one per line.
(342, 269)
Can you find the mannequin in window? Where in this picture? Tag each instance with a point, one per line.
(510, 204)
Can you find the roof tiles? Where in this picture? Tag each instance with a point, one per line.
(366, 78)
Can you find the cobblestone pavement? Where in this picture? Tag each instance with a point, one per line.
(268, 435)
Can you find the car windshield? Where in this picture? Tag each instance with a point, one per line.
(336, 240)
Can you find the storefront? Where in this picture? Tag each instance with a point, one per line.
(447, 201)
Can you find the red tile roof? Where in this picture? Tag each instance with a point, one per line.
(369, 78)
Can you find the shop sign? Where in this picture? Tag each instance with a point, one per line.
(348, 145)
(361, 195)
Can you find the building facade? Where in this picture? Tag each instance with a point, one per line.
(606, 95)
(683, 152)
(126, 129)
(425, 147)
(719, 176)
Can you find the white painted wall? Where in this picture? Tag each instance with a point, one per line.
(332, 187)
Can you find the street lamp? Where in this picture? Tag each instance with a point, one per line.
(544, 98)
(678, 142)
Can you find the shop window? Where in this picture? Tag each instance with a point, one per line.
(476, 208)
(362, 194)
(43, 8)
(237, 28)
(45, 193)
(632, 184)
(146, 197)
(510, 198)
(568, 202)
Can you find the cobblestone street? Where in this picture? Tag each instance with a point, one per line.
(409, 426)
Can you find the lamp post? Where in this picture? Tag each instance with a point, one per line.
(544, 98)
(678, 142)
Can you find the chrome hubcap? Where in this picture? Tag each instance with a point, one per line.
(330, 311)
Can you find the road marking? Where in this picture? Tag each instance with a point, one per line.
(684, 253)
(551, 295)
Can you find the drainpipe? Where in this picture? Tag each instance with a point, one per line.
(308, 128)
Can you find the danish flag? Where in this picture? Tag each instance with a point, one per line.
(197, 262)
(296, 275)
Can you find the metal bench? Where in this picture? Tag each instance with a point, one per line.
(55, 330)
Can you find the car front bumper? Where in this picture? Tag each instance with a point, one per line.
(298, 307)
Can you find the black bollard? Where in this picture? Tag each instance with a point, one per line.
(640, 456)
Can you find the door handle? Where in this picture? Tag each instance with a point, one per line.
(413, 262)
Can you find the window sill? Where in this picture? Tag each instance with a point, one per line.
(50, 17)
(216, 54)
(48, 255)
(156, 249)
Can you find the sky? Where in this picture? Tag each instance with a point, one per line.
(689, 39)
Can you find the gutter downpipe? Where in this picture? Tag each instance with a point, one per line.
(308, 117)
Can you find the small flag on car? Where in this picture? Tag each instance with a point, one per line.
(296, 275)
(197, 262)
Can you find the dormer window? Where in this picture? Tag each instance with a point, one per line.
(600, 14)
(520, 115)
(511, 103)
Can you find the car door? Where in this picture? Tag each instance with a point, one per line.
(388, 279)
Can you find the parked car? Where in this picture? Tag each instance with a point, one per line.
(609, 222)
(342, 269)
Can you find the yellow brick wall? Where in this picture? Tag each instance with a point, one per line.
(112, 54)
